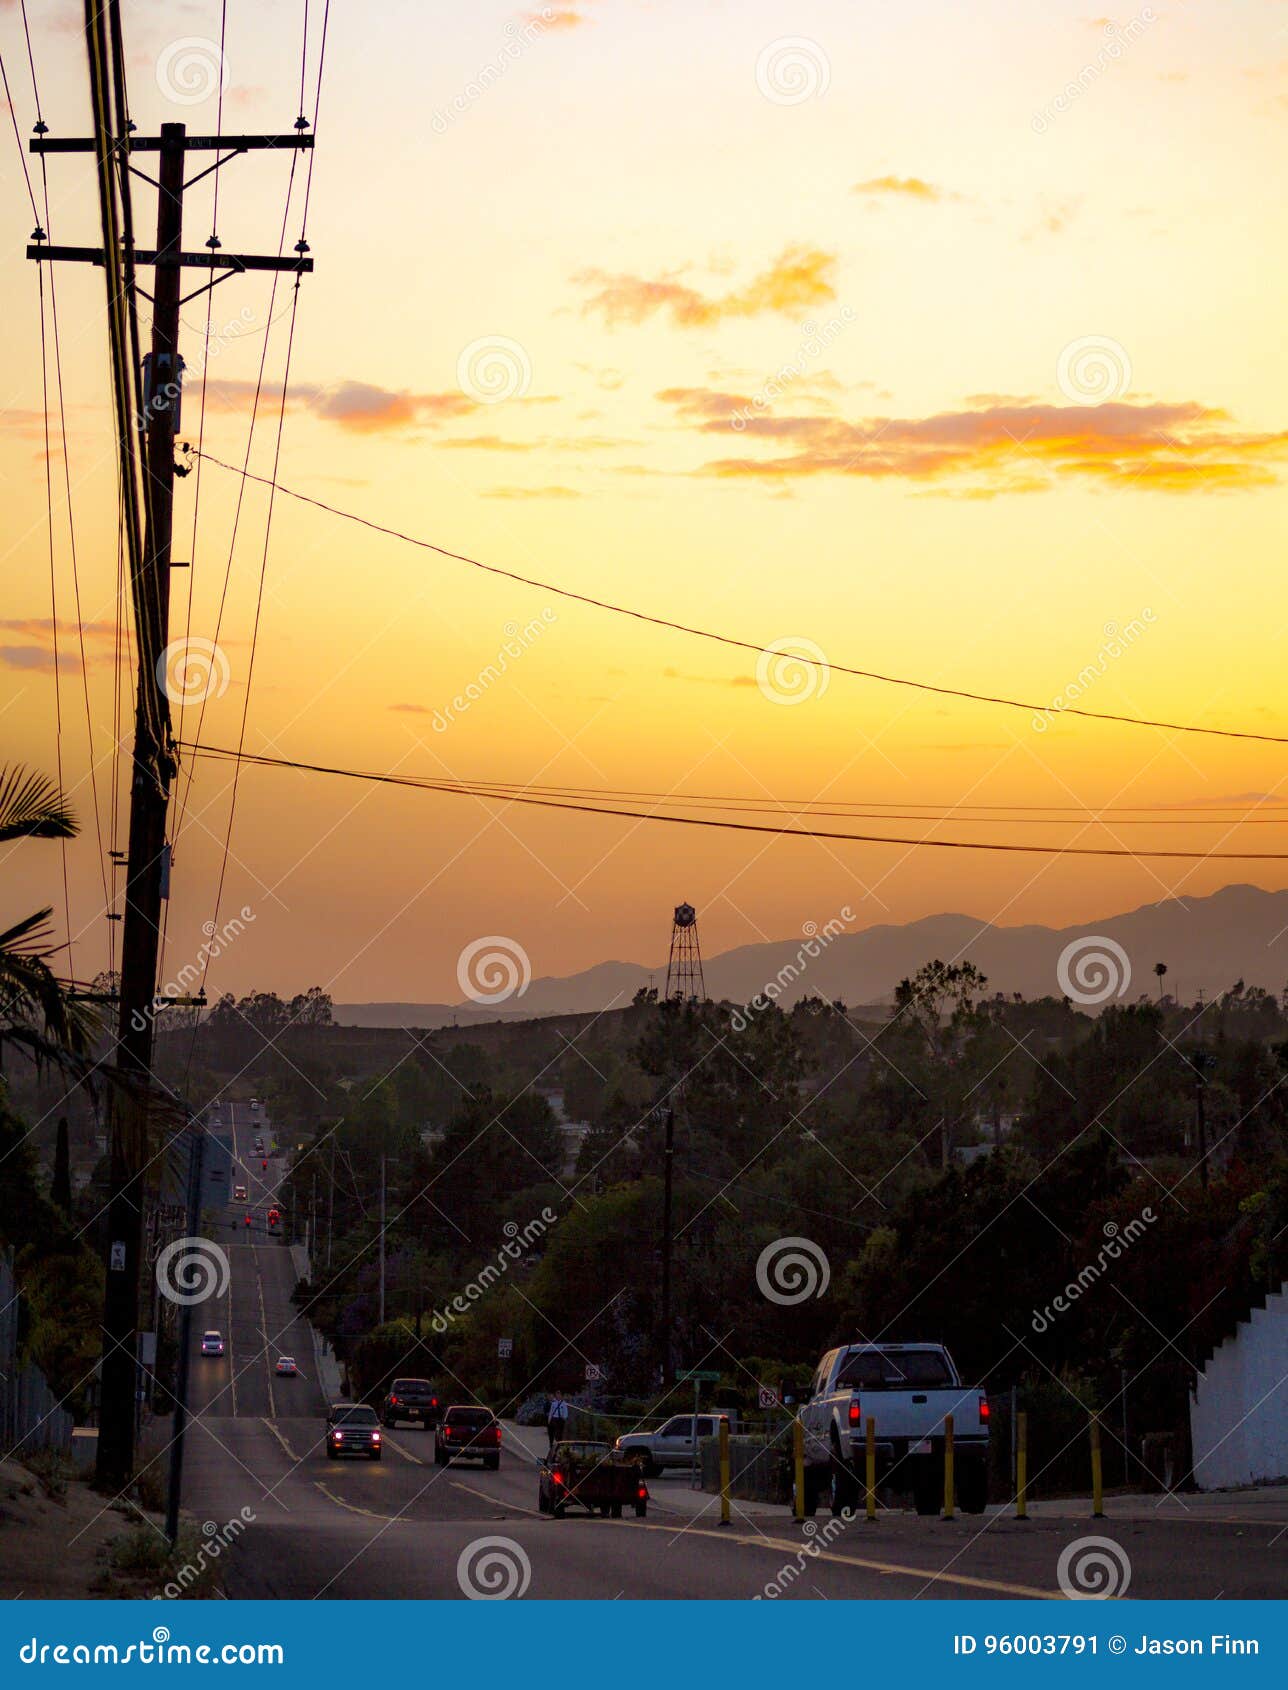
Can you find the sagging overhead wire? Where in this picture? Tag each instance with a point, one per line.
(825, 665)
(531, 796)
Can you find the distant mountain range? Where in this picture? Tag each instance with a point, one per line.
(1240, 932)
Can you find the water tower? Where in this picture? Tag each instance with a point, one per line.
(684, 965)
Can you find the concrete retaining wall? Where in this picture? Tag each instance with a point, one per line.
(1239, 1411)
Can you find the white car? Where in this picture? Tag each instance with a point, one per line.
(671, 1445)
(212, 1343)
(286, 1367)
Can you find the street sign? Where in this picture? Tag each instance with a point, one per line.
(505, 1348)
(700, 1375)
(116, 1256)
(594, 1375)
(768, 1396)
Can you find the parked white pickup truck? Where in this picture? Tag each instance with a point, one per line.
(907, 1390)
(671, 1445)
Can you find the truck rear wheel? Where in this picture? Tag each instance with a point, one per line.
(844, 1486)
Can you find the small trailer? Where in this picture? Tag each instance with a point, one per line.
(591, 1476)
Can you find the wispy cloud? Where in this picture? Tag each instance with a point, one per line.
(358, 406)
(904, 187)
(1182, 447)
(800, 278)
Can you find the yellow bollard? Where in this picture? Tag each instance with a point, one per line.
(1021, 1466)
(948, 1467)
(798, 1464)
(724, 1472)
(1097, 1473)
(871, 1474)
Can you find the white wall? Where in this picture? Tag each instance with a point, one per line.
(1239, 1413)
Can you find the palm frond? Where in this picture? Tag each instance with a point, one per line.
(32, 807)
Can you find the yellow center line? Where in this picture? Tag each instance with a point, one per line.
(388, 1443)
(891, 1568)
(369, 1513)
(290, 1453)
(496, 1501)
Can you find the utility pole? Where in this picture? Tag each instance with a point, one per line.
(668, 1164)
(153, 760)
(196, 1148)
(1200, 1087)
(382, 1242)
(330, 1206)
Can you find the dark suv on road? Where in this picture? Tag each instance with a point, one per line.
(411, 1399)
(352, 1429)
(471, 1433)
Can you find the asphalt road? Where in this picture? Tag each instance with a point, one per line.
(405, 1528)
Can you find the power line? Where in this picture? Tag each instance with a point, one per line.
(477, 790)
(822, 664)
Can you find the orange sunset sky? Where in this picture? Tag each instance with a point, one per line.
(942, 340)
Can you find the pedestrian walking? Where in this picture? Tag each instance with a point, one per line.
(556, 1418)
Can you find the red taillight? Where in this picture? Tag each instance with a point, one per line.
(433, 1402)
(496, 1434)
(393, 1402)
(855, 1411)
(557, 1477)
(983, 1408)
(643, 1494)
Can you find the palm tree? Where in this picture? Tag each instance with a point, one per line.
(1160, 968)
(36, 1011)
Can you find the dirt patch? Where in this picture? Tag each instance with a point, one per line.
(60, 1540)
